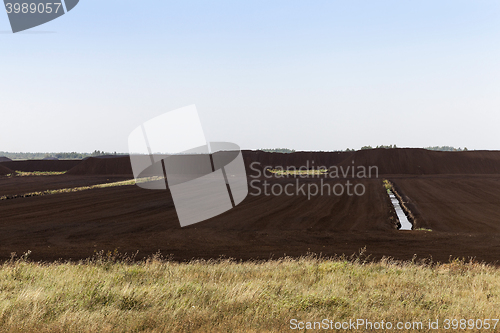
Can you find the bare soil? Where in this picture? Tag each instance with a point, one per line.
(455, 194)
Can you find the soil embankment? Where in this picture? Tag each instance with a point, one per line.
(296, 160)
(254, 160)
(414, 161)
(41, 165)
(103, 166)
(399, 161)
(4, 170)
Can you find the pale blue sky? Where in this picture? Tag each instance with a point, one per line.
(308, 75)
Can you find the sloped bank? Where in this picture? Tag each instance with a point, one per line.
(396, 161)
(103, 166)
(417, 161)
(41, 165)
(4, 170)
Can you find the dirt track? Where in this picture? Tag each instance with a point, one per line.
(462, 210)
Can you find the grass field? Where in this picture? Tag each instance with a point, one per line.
(108, 293)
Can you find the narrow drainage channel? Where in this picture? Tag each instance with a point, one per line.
(405, 224)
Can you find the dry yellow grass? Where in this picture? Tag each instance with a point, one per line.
(106, 294)
(36, 173)
(82, 188)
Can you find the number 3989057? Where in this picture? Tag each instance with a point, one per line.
(33, 8)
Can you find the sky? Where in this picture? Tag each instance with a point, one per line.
(305, 75)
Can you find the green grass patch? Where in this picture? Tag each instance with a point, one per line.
(387, 185)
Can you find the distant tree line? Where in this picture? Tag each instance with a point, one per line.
(79, 156)
(446, 148)
(279, 150)
(61, 156)
(382, 146)
(440, 148)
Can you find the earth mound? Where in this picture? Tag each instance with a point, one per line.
(254, 160)
(41, 165)
(103, 166)
(400, 161)
(4, 159)
(104, 156)
(4, 170)
(304, 159)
